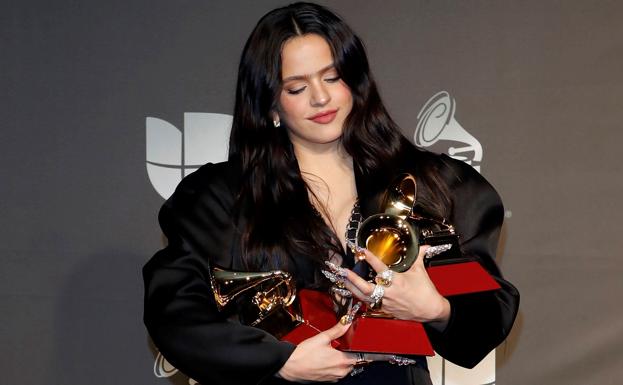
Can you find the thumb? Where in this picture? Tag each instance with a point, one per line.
(419, 261)
(336, 331)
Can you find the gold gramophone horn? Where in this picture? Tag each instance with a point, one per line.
(267, 299)
(271, 287)
(392, 236)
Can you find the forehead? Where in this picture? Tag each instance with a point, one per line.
(305, 55)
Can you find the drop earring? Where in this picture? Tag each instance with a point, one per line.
(276, 123)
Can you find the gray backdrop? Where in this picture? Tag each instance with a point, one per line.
(538, 83)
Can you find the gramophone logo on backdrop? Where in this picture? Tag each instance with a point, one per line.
(173, 153)
(438, 129)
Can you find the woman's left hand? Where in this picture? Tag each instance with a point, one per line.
(411, 294)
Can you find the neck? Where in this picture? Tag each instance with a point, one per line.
(319, 158)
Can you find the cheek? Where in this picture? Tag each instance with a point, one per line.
(290, 107)
(346, 97)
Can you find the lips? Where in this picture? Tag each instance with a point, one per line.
(324, 117)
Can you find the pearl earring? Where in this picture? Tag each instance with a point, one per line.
(276, 123)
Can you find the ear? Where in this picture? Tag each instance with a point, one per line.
(275, 118)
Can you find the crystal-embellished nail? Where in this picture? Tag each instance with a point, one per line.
(351, 245)
(350, 315)
(330, 276)
(360, 254)
(335, 269)
(401, 361)
(342, 292)
(436, 250)
(353, 310)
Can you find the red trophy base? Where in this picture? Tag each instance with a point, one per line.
(388, 335)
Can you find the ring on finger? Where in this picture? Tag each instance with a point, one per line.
(356, 370)
(361, 359)
(377, 294)
(384, 278)
(359, 364)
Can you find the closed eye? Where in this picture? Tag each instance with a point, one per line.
(296, 91)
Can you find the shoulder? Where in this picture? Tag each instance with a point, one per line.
(208, 192)
(209, 177)
(212, 179)
(466, 186)
(456, 172)
(452, 171)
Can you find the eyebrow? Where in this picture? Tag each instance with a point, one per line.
(300, 77)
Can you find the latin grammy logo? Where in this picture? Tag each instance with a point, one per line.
(163, 369)
(437, 128)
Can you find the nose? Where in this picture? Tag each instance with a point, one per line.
(320, 95)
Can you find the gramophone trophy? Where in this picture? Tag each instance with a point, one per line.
(395, 236)
(266, 300)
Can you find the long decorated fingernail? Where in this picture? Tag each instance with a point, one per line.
(401, 361)
(342, 292)
(436, 250)
(335, 269)
(332, 277)
(360, 255)
(336, 279)
(358, 250)
(352, 245)
(350, 315)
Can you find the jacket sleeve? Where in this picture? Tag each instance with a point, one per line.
(180, 312)
(481, 321)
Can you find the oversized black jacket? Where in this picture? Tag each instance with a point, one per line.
(198, 220)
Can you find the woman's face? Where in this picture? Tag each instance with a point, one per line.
(314, 101)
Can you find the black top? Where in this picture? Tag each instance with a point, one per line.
(198, 220)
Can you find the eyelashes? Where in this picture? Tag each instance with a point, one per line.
(296, 91)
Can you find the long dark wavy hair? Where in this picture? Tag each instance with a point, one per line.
(279, 219)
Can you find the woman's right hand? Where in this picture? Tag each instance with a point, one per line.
(316, 360)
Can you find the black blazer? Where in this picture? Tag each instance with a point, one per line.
(181, 315)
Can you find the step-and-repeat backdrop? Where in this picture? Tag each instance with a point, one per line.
(105, 106)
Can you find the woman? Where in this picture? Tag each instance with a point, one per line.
(311, 144)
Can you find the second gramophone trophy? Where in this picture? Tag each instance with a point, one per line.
(395, 236)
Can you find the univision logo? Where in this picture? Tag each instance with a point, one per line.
(173, 153)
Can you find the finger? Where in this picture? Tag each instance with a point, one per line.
(356, 292)
(374, 261)
(419, 261)
(352, 358)
(427, 251)
(358, 283)
(335, 332)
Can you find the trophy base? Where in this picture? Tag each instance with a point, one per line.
(374, 333)
(386, 335)
(367, 334)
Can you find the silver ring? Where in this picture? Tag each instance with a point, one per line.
(385, 278)
(401, 361)
(377, 294)
(356, 370)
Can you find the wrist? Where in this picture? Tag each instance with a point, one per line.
(440, 321)
(443, 313)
